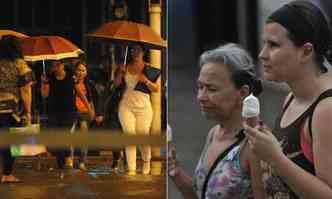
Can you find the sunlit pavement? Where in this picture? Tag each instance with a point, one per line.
(99, 182)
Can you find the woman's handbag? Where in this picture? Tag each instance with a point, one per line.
(9, 104)
(152, 74)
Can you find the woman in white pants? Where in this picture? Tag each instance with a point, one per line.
(135, 111)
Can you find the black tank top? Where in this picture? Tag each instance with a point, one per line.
(290, 140)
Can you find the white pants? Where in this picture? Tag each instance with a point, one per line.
(136, 121)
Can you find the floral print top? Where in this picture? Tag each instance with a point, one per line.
(8, 77)
(228, 180)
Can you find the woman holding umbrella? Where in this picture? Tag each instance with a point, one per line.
(135, 110)
(15, 84)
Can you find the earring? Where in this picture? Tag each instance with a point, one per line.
(308, 46)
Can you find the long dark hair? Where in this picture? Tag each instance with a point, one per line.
(306, 23)
(129, 56)
(10, 48)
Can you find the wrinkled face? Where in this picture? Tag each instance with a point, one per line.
(218, 98)
(57, 66)
(81, 71)
(137, 52)
(280, 57)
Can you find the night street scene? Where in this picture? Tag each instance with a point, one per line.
(83, 97)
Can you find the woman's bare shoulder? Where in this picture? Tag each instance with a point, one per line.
(322, 115)
(212, 132)
(22, 66)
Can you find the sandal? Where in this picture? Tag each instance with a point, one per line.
(146, 168)
(9, 179)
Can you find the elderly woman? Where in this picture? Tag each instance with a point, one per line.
(16, 82)
(227, 168)
(297, 47)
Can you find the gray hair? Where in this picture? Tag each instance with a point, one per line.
(238, 62)
(232, 55)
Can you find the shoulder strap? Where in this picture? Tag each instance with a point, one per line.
(325, 94)
(219, 158)
(287, 103)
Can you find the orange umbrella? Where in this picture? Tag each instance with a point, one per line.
(127, 33)
(48, 48)
(12, 33)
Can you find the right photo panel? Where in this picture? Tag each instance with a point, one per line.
(244, 81)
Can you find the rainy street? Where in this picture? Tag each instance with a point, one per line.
(70, 56)
(99, 182)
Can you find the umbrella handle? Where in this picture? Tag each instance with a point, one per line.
(125, 59)
(44, 69)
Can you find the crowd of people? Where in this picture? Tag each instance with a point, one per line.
(74, 101)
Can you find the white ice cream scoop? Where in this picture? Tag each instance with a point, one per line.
(250, 107)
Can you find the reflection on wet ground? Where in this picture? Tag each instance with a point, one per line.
(99, 182)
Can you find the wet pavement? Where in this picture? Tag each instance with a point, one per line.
(99, 182)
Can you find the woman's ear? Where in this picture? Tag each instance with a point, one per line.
(244, 91)
(308, 51)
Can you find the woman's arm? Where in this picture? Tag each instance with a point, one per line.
(304, 184)
(98, 98)
(182, 181)
(45, 86)
(26, 95)
(184, 184)
(119, 75)
(154, 87)
(25, 83)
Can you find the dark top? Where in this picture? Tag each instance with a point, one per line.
(290, 139)
(61, 99)
(96, 95)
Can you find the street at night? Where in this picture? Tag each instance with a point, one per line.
(99, 182)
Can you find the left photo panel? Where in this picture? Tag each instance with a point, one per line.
(83, 99)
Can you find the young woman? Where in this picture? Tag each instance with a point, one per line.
(296, 50)
(135, 110)
(83, 116)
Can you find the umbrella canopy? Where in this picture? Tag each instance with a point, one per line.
(12, 33)
(129, 33)
(48, 48)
